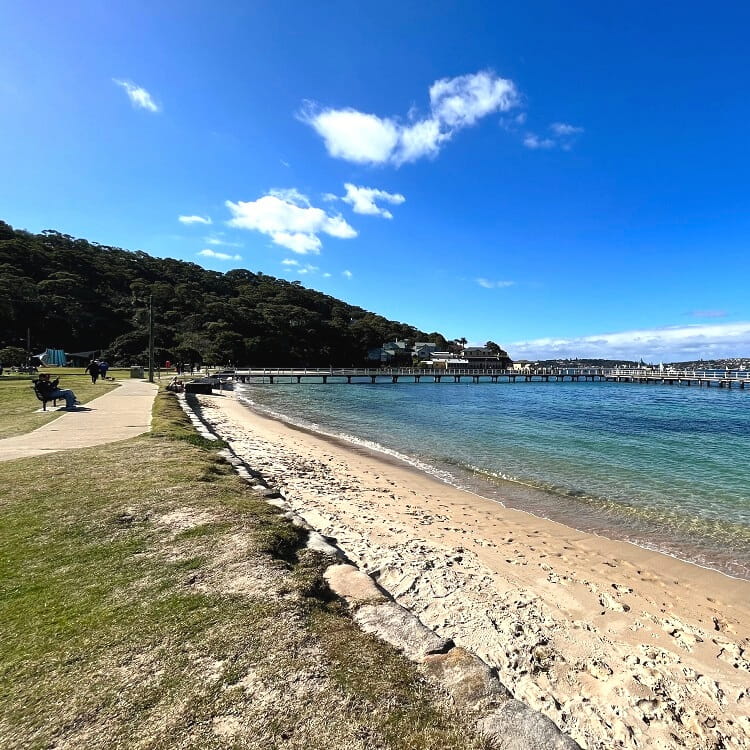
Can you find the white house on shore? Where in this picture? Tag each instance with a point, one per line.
(423, 350)
(426, 353)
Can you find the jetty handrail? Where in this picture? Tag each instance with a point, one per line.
(558, 372)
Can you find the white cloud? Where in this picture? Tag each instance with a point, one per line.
(216, 241)
(195, 219)
(347, 274)
(298, 242)
(362, 200)
(289, 219)
(455, 103)
(563, 137)
(326, 275)
(290, 195)
(460, 102)
(668, 344)
(295, 268)
(218, 256)
(355, 136)
(139, 97)
(563, 128)
(424, 138)
(533, 141)
(487, 284)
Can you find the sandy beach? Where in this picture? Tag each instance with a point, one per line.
(619, 646)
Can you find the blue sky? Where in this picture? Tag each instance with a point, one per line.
(567, 179)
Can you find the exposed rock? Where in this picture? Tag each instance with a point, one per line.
(401, 629)
(353, 585)
(469, 681)
(514, 726)
(269, 494)
(298, 521)
(318, 543)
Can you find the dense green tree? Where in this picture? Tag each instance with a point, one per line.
(12, 356)
(81, 296)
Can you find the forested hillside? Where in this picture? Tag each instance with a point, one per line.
(78, 295)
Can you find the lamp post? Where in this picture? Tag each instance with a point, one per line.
(150, 339)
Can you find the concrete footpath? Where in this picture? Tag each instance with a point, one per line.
(117, 415)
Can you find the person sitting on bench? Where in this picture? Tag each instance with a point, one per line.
(176, 386)
(49, 391)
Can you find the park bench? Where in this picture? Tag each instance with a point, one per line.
(43, 399)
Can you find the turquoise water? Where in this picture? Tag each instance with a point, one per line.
(665, 467)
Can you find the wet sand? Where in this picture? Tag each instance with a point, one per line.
(619, 646)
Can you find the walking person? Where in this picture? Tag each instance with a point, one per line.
(93, 369)
(103, 367)
(50, 390)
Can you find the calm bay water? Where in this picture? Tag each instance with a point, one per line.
(665, 467)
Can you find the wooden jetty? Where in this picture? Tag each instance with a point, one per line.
(700, 378)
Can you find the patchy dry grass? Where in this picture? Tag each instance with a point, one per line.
(18, 404)
(149, 599)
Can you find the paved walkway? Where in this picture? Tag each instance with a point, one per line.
(120, 414)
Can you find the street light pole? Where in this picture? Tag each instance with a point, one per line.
(150, 339)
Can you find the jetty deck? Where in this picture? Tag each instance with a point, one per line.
(331, 375)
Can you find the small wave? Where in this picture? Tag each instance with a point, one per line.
(433, 471)
(606, 517)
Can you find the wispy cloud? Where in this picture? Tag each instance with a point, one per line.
(295, 268)
(218, 256)
(363, 200)
(289, 219)
(533, 141)
(218, 242)
(487, 284)
(671, 343)
(563, 136)
(139, 97)
(564, 128)
(347, 274)
(709, 313)
(194, 219)
(455, 104)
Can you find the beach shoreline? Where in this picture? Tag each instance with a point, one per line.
(575, 465)
(619, 645)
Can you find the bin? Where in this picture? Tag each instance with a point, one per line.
(136, 371)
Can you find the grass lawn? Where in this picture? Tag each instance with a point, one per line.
(18, 404)
(149, 599)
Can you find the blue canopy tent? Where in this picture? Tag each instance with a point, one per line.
(53, 358)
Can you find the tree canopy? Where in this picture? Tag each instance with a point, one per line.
(81, 296)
